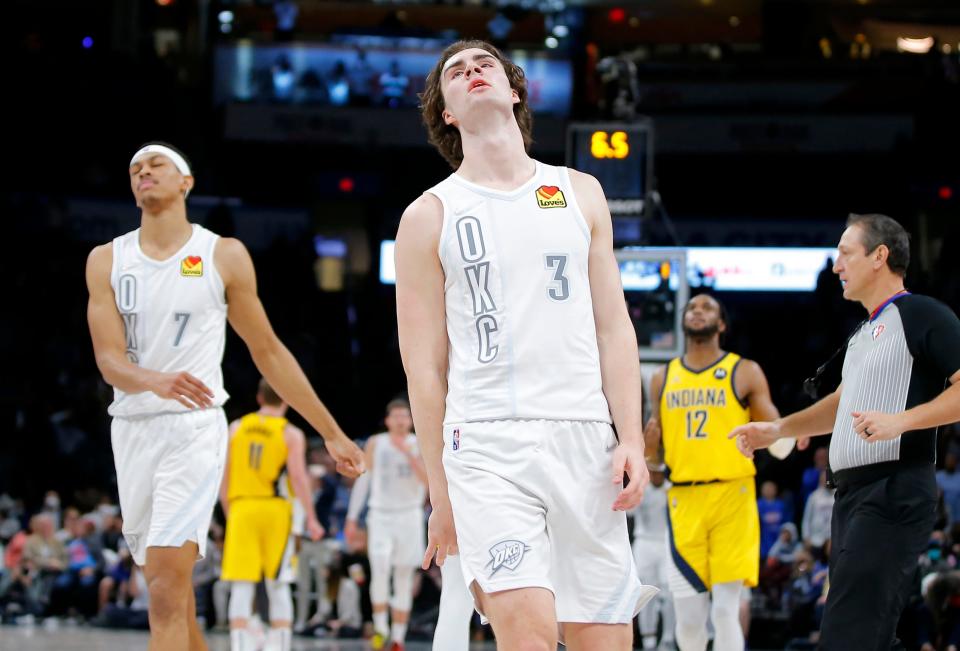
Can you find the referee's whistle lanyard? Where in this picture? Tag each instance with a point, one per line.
(883, 306)
(812, 384)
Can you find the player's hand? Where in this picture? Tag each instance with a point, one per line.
(803, 443)
(441, 536)
(350, 531)
(873, 426)
(348, 455)
(184, 388)
(755, 436)
(628, 457)
(314, 529)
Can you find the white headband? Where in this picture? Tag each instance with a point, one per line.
(179, 161)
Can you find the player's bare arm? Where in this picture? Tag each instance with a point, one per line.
(358, 494)
(753, 388)
(225, 482)
(816, 420)
(297, 467)
(109, 344)
(617, 343)
(415, 461)
(653, 432)
(274, 361)
(422, 326)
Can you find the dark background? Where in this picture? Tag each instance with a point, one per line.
(775, 145)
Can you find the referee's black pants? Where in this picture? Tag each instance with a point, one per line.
(880, 527)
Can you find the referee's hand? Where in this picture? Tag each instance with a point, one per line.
(755, 436)
(873, 426)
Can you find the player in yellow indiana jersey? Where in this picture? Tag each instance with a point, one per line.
(258, 545)
(713, 526)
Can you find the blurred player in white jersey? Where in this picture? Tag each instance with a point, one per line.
(519, 355)
(160, 297)
(650, 555)
(397, 486)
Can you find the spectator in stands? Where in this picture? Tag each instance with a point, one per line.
(776, 570)
(361, 76)
(51, 506)
(70, 517)
(124, 596)
(948, 480)
(772, 515)
(286, 12)
(811, 476)
(349, 622)
(817, 514)
(75, 589)
(338, 85)
(393, 86)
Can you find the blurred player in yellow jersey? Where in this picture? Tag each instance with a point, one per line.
(259, 517)
(713, 527)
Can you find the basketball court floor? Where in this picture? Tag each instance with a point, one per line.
(37, 638)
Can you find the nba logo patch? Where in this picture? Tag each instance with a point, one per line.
(550, 196)
(192, 265)
(456, 439)
(878, 330)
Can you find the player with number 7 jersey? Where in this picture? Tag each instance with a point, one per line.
(160, 299)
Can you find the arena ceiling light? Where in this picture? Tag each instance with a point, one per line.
(914, 45)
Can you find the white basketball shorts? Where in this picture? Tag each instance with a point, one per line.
(532, 503)
(397, 536)
(169, 468)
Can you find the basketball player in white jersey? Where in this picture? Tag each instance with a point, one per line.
(650, 555)
(160, 297)
(396, 485)
(519, 354)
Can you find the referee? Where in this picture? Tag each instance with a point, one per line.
(901, 381)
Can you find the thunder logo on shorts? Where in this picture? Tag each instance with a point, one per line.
(506, 554)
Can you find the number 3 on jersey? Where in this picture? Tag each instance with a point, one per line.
(558, 289)
(696, 421)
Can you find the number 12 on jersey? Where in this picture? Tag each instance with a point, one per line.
(696, 421)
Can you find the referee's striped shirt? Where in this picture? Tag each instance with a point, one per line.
(901, 357)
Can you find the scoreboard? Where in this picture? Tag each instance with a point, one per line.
(620, 156)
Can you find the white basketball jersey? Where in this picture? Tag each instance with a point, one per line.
(174, 314)
(650, 517)
(393, 484)
(523, 342)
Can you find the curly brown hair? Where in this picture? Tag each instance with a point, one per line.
(446, 137)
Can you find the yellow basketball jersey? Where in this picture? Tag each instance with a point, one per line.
(698, 409)
(258, 456)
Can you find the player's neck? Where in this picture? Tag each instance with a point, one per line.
(269, 410)
(702, 352)
(494, 155)
(164, 231)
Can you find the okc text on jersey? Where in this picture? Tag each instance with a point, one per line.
(473, 251)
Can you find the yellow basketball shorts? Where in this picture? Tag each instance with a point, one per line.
(713, 534)
(258, 533)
